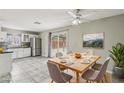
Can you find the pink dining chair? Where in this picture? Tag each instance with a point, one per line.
(59, 55)
(96, 75)
(56, 74)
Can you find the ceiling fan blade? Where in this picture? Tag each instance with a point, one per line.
(83, 16)
(72, 14)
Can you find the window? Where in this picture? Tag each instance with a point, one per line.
(58, 43)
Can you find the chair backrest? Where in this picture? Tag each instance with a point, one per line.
(55, 72)
(103, 69)
(90, 52)
(59, 54)
(69, 52)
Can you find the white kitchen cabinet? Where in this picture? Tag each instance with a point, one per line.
(27, 52)
(20, 52)
(25, 37)
(3, 36)
(5, 63)
(32, 36)
(14, 54)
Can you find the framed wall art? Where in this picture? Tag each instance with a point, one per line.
(95, 40)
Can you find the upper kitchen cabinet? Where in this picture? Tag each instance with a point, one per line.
(25, 38)
(3, 36)
(32, 35)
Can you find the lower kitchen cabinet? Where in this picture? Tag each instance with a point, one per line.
(5, 64)
(20, 52)
(27, 52)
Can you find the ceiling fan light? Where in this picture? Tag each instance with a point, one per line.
(79, 21)
(76, 22)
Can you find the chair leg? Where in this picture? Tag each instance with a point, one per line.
(51, 81)
(87, 81)
(102, 81)
(105, 78)
(98, 81)
(69, 81)
(93, 81)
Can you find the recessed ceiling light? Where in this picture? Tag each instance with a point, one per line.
(37, 23)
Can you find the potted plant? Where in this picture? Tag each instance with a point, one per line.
(117, 54)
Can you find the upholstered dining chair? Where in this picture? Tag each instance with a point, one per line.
(56, 74)
(69, 52)
(96, 75)
(59, 55)
(97, 66)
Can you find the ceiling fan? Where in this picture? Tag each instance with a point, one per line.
(77, 16)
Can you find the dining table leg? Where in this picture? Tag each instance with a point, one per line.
(77, 77)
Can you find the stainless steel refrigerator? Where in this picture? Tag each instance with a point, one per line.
(35, 46)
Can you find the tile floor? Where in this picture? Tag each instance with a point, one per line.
(30, 70)
(34, 70)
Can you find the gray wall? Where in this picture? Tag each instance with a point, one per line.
(113, 27)
(44, 37)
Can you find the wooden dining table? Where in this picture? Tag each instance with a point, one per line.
(79, 65)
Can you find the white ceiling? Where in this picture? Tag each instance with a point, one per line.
(49, 18)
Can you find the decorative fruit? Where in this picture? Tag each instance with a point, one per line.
(1, 50)
(77, 55)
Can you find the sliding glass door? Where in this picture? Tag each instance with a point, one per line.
(58, 43)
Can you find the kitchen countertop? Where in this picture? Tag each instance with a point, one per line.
(6, 52)
(18, 47)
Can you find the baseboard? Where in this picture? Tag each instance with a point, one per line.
(44, 56)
